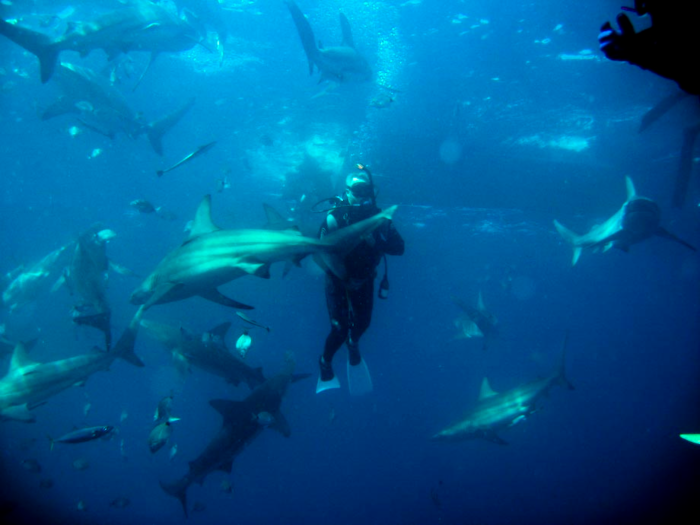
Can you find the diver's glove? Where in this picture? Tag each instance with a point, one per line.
(618, 46)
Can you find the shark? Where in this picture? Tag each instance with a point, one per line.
(29, 384)
(243, 421)
(476, 321)
(211, 257)
(102, 108)
(140, 26)
(87, 276)
(341, 63)
(206, 351)
(25, 284)
(638, 219)
(495, 412)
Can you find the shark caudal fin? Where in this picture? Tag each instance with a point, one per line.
(571, 238)
(100, 321)
(178, 489)
(157, 129)
(124, 348)
(37, 44)
(306, 34)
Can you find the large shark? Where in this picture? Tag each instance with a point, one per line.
(212, 257)
(25, 284)
(87, 275)
(101, 107)
(476, 321)
(242, 423)
(140, 26)
(341, 63)
(495, 412)
(637, 220)
(206, 351)
(29, 384)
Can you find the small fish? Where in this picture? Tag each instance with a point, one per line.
(199, 507)
(243, 344)
(250, 321)
(142, 206)
(46, 483)
(32, 465)
(95, 153)
(123, 416)
(82, 435)
(163, 409)
(265, 419)
(160, 434)
(120, 502)
(222, 185)
(196, 153)
(226, 486)
(81, 464)
(332, 416)
(173, 452)
(86, 409)
(81, 506)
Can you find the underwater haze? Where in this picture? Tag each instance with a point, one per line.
(484, 122)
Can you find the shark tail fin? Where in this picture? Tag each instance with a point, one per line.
(177, 489)
(156, 130)
(124, 348)
(561, 367)
(37, 44)
(571, 238)
(100, 321)
(306, 34)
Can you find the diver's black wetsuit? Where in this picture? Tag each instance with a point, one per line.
(668, 47)
(350, 301)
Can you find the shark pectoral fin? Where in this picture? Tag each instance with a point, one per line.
(662, 232)
(281, 424)
(17, 413)
(226, 467)
(610, 244)
(576, 256)
(215, 296)
(59, 282)
(490, 435)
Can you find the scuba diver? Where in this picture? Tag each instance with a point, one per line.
(350, 301)
(666, 48)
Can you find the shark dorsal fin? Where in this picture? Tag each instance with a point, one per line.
(20, 358)
(480, 302)
(347, 32)
(275, 221)
(202, 223)
(486, 390)
(631, 193)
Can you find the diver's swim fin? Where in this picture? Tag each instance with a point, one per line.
(327, 385)
(359, 380)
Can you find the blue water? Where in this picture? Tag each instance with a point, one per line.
(493, 132)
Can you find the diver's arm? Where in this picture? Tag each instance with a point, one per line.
(328, 226)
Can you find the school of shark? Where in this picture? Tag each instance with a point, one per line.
(232, 270)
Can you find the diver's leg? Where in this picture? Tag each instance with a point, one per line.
(361, 302)
(337, 304)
